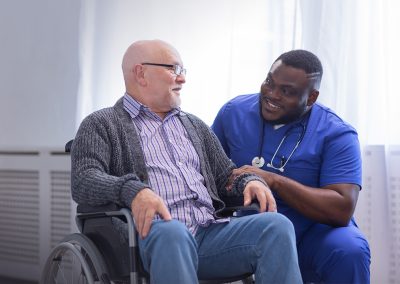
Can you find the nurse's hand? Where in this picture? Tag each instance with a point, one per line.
(267, 176)
(257, 190)
(248, 169)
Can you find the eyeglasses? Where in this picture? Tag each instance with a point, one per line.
(178, 70)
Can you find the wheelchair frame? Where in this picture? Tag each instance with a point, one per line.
(93, 266)
(91, 260)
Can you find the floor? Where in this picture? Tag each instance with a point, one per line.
(6, 280)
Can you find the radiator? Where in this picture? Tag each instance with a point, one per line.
(378, 211)
(36, 210)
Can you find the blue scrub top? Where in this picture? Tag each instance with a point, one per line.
(329, 152)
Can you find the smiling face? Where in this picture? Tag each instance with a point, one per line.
(286, 94)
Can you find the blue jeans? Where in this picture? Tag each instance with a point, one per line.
(263, 244)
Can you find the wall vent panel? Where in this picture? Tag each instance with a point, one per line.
(35, 209)
(60, 206)
(19, 211)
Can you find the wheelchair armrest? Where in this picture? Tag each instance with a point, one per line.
(84, 209)
(109, 210)
(98, 225)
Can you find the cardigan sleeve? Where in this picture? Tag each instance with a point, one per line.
(101, 168)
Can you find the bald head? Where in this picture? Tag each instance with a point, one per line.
(154, 84)
(145, 51)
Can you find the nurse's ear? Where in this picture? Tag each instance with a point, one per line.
(312, 97)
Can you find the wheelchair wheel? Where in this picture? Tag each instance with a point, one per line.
(75, 260)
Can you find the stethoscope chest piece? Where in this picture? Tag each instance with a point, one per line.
(258, 162)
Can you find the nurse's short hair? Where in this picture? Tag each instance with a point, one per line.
(305, 60)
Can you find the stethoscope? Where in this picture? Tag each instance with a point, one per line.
(259, 161)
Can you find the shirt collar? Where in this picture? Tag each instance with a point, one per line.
(134, 108)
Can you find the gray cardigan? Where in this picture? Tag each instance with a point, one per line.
(108, 163)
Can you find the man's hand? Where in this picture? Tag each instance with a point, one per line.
(256, 189)
(145, 206)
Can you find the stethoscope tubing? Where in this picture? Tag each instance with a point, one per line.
(259, 161)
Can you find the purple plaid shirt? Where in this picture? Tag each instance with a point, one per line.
(173, 165)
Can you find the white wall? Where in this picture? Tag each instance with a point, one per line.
(41, 41)
(226, 46)
(38, 72)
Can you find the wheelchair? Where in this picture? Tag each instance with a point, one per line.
(98, 255)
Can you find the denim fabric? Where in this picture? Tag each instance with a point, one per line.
(263, 244)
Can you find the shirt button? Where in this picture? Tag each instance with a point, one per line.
(179, 164)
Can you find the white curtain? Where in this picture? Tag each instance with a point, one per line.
(228, 46)
(358, 44)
